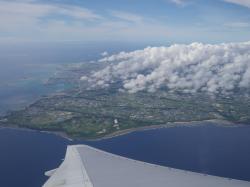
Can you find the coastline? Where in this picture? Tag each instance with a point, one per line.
(57, 133)
(217, 122)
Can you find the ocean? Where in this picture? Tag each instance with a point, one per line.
(25, 155)
(215, 150)
(24, 67)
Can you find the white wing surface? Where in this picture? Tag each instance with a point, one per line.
(86, 166)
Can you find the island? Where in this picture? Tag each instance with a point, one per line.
(83, 113)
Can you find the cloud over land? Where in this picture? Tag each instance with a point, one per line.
(220, 68)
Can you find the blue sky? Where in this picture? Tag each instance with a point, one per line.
(172, 21)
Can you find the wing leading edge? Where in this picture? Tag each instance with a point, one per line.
(85, 166)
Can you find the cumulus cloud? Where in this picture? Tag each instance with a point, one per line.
(105, 53)
(190, 68)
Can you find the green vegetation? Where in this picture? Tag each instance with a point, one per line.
(83, 113)
(96, 113)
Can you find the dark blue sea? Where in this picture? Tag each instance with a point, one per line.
(215, 150)
(26, 155)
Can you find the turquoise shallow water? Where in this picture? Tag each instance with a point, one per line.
(24, 67)
(20, 94)
(22, 74)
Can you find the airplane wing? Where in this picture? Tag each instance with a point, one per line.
(85, 166)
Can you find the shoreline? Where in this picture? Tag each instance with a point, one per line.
(57, 133)
(217, 122)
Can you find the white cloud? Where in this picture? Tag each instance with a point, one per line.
(190, 68)
(77, 12)
(105, 53)
(238, 24)
(178, 2)
(35, 20)
(26, 20)
(28, 17)
(34, 10)
(127, 16)
(245, 3)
